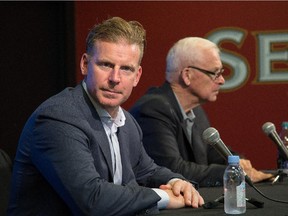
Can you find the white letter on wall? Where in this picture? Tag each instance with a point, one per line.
(237, 64)
(268, 54)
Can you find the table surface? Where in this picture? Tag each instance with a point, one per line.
(277, 191)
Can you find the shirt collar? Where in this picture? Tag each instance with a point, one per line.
(186, 116)
(104, 115)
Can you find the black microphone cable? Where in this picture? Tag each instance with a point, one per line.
(250, 183)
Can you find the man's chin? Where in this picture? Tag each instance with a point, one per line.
(111, 102)
(213, 99)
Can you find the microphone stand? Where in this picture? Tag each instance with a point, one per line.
(253, 201)
(220, 200)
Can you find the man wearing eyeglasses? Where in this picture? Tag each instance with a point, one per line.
(173, 120)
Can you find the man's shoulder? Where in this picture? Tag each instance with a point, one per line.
(153, 98)
(65, 95)
(66, 102)
(150, 103)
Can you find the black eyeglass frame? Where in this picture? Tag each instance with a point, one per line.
(209, 73)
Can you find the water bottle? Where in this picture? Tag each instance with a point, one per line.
(281, 162)
(234, 187)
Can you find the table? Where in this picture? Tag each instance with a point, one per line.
(277, 191)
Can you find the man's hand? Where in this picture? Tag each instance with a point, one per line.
(174, 201)
(254, 175)
(182, 193)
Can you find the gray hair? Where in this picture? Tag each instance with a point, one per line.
(185, 52)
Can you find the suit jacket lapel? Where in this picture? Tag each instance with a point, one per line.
(176, 110)
(123, 138)
(96, 124)
(199, 147)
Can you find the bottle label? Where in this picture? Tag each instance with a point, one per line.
(241, 195)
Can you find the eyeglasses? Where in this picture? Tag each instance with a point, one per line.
(213, 75)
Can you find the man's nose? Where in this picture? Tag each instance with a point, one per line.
(221, 80)
(115, 75)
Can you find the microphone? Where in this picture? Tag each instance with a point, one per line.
(270, 131)
(212, 137)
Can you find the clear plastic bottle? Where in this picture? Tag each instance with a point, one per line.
(234, 187)
(281, 162)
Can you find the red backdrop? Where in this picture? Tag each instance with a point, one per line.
(262, 47)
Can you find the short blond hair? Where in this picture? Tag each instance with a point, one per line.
(116, 29)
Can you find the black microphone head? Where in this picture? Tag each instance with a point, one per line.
(211, 135)
(268, 128)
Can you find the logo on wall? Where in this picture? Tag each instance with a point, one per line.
(264, 55)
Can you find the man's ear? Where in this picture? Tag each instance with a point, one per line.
(186, 76)
(84, 64)
(138, 76)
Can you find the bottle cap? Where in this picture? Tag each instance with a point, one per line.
(233, 159)
(285, 124)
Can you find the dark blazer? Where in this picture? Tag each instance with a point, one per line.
(63, 163)
(166, 140)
